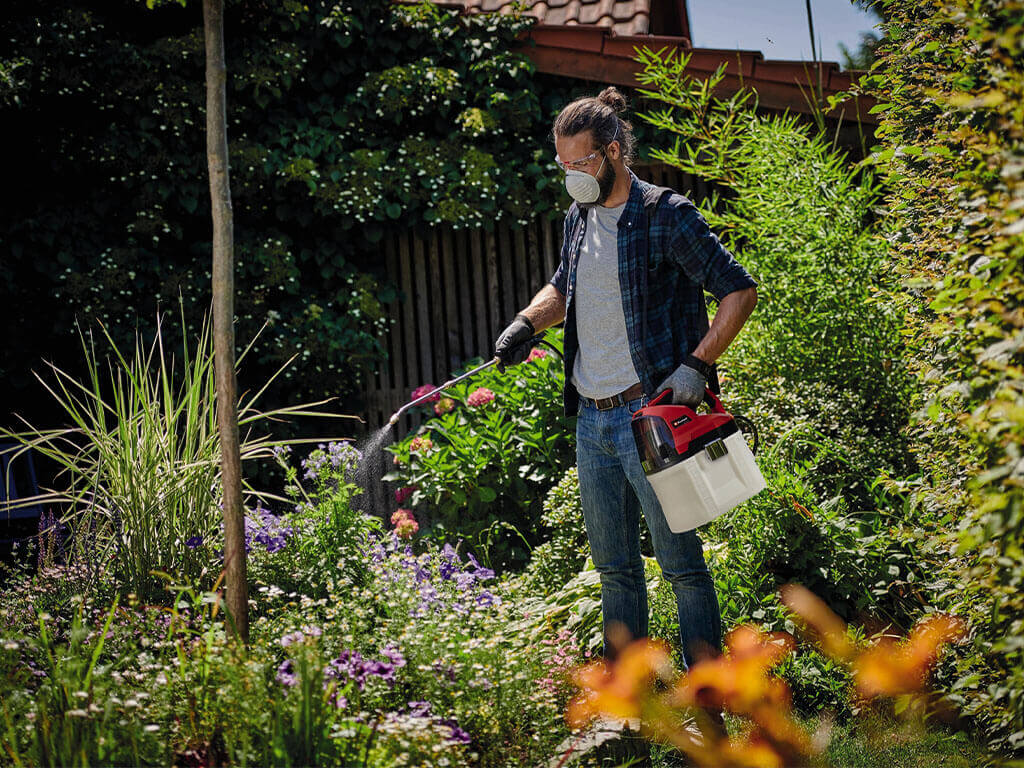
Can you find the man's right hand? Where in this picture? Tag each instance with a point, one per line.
(510, 346)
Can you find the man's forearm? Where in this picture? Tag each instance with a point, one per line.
(546, 309)
(732, 313)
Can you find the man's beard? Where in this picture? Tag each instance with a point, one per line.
(606, 182)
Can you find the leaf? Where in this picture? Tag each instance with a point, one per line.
(486, 494)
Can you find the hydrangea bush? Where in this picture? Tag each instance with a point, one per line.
(479, 466)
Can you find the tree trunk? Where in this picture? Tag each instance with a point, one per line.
(236, 586)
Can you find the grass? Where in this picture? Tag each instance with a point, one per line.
(876, 741)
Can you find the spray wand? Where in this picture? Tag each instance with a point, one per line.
(394, 418)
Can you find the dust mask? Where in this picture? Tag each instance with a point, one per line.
(582, 186)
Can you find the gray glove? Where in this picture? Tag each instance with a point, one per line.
(511, 346)
(687, 383)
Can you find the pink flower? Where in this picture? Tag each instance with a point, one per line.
(405, 524)
(537, 354)
(404, 493)
(421, 444)
(443, 406)
(479, 396)
(423, 389)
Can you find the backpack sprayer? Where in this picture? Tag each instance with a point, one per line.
(699, 465)
(529, 343)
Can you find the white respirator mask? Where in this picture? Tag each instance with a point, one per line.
(582, 187)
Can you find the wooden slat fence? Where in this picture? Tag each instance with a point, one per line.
(461, 289)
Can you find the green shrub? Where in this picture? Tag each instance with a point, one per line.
(805, 527)
(481, 470)
(80, 714)
(949, 85)
(820, 349)
(323, 536)
(561, 556)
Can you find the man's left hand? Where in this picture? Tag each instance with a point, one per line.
(687, 385)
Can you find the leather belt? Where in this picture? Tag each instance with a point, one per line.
(606, 403)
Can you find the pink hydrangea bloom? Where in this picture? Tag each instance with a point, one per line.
(479, 396)
(537, 354)
(405, 523)
(404, 493)
(443, 406)
(423, 389)
(421, 444)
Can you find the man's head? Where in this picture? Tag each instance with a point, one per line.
(593, 141)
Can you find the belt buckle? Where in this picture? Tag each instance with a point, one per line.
(610, 400)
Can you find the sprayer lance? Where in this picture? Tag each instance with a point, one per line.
(394, 419)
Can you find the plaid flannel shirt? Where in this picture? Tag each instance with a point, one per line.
(662, 282)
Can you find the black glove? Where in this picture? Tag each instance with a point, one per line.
(511, 346)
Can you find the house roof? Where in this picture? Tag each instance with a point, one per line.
(623, 17)
(597, 39)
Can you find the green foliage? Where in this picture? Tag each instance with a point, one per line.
(347, 123)
(72, 717)
(141, 456)
(807, 527)
(949, 85)
(561, 556)
(327, 532)
(867, 562)
(481, 470)
(820, 349)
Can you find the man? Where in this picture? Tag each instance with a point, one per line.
(630, 289)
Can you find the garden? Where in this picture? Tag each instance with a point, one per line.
(870, 594)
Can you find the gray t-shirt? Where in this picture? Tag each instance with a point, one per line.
(603, 365)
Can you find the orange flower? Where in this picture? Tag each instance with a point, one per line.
(738, 681)
(618, 689)
(891, 668)
(830, 629)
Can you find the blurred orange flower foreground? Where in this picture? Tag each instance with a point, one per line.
(642, 684)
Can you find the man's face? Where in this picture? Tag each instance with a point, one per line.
(580, 153)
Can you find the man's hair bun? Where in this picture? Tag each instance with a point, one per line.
(613, 97)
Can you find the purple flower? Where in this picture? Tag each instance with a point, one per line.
(280, 451)
(194, 542)
(350, 665)
(485, 598)
(336, 454)
(481, 573)
(286, 674)
(457, 735)
(292, 637)
(418, 708)
(266, 529)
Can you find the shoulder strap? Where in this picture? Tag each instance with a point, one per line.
(653, 196)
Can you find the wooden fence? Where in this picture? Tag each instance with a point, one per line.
(462, 287)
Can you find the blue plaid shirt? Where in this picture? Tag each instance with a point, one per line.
(662, 283)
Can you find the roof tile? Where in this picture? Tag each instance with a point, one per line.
(624, 17)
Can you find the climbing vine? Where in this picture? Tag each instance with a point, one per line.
(347, 121)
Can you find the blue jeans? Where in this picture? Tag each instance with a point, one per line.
(613, 491)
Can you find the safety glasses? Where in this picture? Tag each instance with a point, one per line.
(577, 165)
